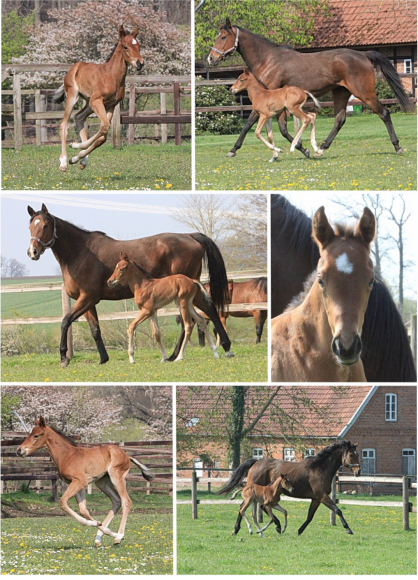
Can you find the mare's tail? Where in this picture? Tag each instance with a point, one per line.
(238, 476)
(59, 95)
(145, 471)
(392, 78)
(315, 100)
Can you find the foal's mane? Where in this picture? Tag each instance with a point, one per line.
(299, 298)
(66, 437)
(318, 459)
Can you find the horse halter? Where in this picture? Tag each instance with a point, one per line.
(346, 463)
(51, 242)
(231, 50)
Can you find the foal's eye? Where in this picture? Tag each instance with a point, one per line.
(45, 226)
(321, 282)
(371, 283)
(223, 37)
(35, 436)
(125, 47)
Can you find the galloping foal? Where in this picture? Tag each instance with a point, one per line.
(269, 104)
(151, 294)
(105, 465)
(267, 496)
(102, 86)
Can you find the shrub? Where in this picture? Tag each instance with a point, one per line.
(221, 123)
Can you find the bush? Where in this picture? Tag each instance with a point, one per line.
(221, 123)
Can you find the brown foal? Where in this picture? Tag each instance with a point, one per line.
(105, 465)
(151, 294)
(268, 104)
(102, 86)
(319, 338)
(267, 496)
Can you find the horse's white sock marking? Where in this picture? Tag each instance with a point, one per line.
(37, 222)
(63, 161)
(343, 264)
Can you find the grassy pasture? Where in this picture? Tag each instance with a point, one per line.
(137, 167)
(361, 158)
(42, 543)
(378, 546)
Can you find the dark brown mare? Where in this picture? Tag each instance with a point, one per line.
(105, 465)
(342, 71)
(310, 478)
(87, 260)
(386, 352)
(102, 86)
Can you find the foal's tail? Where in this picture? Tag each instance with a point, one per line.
(59, 95)
(392, 78)
(145, 471)
(238, 476)
(315, 100)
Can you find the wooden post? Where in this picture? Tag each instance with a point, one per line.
(405, 502)
(194, 495)
(17, 111)
(334, 499)
(38, 121)
(54, 489)
(414, 337)
(177, 126)
(148, 492)
(38, 486)
(131, 126)
(116, 136)
(66, 307)
(44, 130)
(209, 483)
(163, 105)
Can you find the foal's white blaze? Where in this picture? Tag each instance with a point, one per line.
(37, 222)
(134, 41)
(343, 264)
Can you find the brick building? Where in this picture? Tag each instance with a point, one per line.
(382, 420)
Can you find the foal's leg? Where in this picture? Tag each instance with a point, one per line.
(188, 326)
(248, 124)
(80, 119)
(300, 114)
(143, 315)
(157, 335)
(262, 121)
(202, 324)
(269, 129)
(106, 486)
(75, 487)
(100, 137)
(119, 481)
(82, 505)
(326, 500)
(270, 513)
(282, 120)
(72, 96)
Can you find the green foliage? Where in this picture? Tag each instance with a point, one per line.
(8, 404)
(15, 32)
(284, 22)
(221, 123)
(383, 91)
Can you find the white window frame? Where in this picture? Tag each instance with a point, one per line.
(198, 466)
(413, 454)
(407, 63)
(309, 452)
(291, 453)
(371, 454)
(257, 453)
(390, 399)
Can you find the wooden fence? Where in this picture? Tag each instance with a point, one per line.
(157, 455)
(405, 481)
(178, 85)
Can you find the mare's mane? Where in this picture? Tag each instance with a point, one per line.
(49, 218)
(299, 298)
(259, 37)
(318, 459)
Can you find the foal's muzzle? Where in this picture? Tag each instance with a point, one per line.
(347, 356)
(139, 65)
(112, 283)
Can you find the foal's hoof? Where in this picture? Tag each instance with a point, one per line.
(399, 151)
(63, 168)
(65, 362)
(98, 544)
(318, 153)
(273, 159)
(231, 154)
(81, 166)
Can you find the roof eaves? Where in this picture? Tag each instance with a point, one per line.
(358, 412)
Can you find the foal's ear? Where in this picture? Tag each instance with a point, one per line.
(366, 228)
(122, 32)
(123, 256)
(228, 23)
(45, 209)
(31, 211)
(42, 422)
(246, 70)
(134, 33)
(36, 422)
(322, 232)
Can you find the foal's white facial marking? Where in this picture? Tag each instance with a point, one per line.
(134, 41)
(37, 222)
(343, 264)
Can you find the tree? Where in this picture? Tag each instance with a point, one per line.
(12, 268)
(399, 216)
(150, 404)
(15, 31)
(282, 21)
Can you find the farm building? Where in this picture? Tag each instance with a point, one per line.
(298, 423)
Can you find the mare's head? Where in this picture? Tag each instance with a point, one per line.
(242, 82)
(120, 271)
(130, 48)
(351, 459)
(285, 483)
(226, 44)
(42, 231)
(345, 276)
(35, 440)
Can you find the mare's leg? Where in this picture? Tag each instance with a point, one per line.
(260, 317)
(106, 486)
(282, 121)
(326, 500)
(157, 335)
(143, 315)
(80, 119)
(119, 481)
(270, 137)
(72, 96)
(340, 96)
(201, 322)
(100, 137)
(384, 114)
(248, 124)
(284, 512)
(74, 488)
(81, 306)
(261, 122)
(237, 526)
(242, 509)
(93, 320)
(311, 512)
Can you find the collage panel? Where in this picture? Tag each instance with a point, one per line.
(57, 441)
(339, 459)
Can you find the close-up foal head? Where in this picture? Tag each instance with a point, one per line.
(35, 440)
(120, 271)
(131, 48)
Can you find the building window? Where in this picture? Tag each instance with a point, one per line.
(289, 454)
(408, 462)
(198, 467)
(391, 407)
(192, 422)
(309, 452)
(368, 464)
(407, 64)
(257, 453)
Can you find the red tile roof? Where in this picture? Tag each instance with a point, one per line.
(366, 23)
(316, 411)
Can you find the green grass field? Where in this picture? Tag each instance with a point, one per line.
(378, 546)
(47, 544)
(137, 167)
(361, 158)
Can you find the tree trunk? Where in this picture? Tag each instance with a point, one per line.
(236, 423)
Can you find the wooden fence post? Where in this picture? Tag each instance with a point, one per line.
(405, 502)
(38, 121)
(334, 498)
(194, 495)
(54, 489)
(163, 105)
(17, 112)
(177, 126)
(209, 483)
(66, 307)
(131, 126)
(116, 130)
